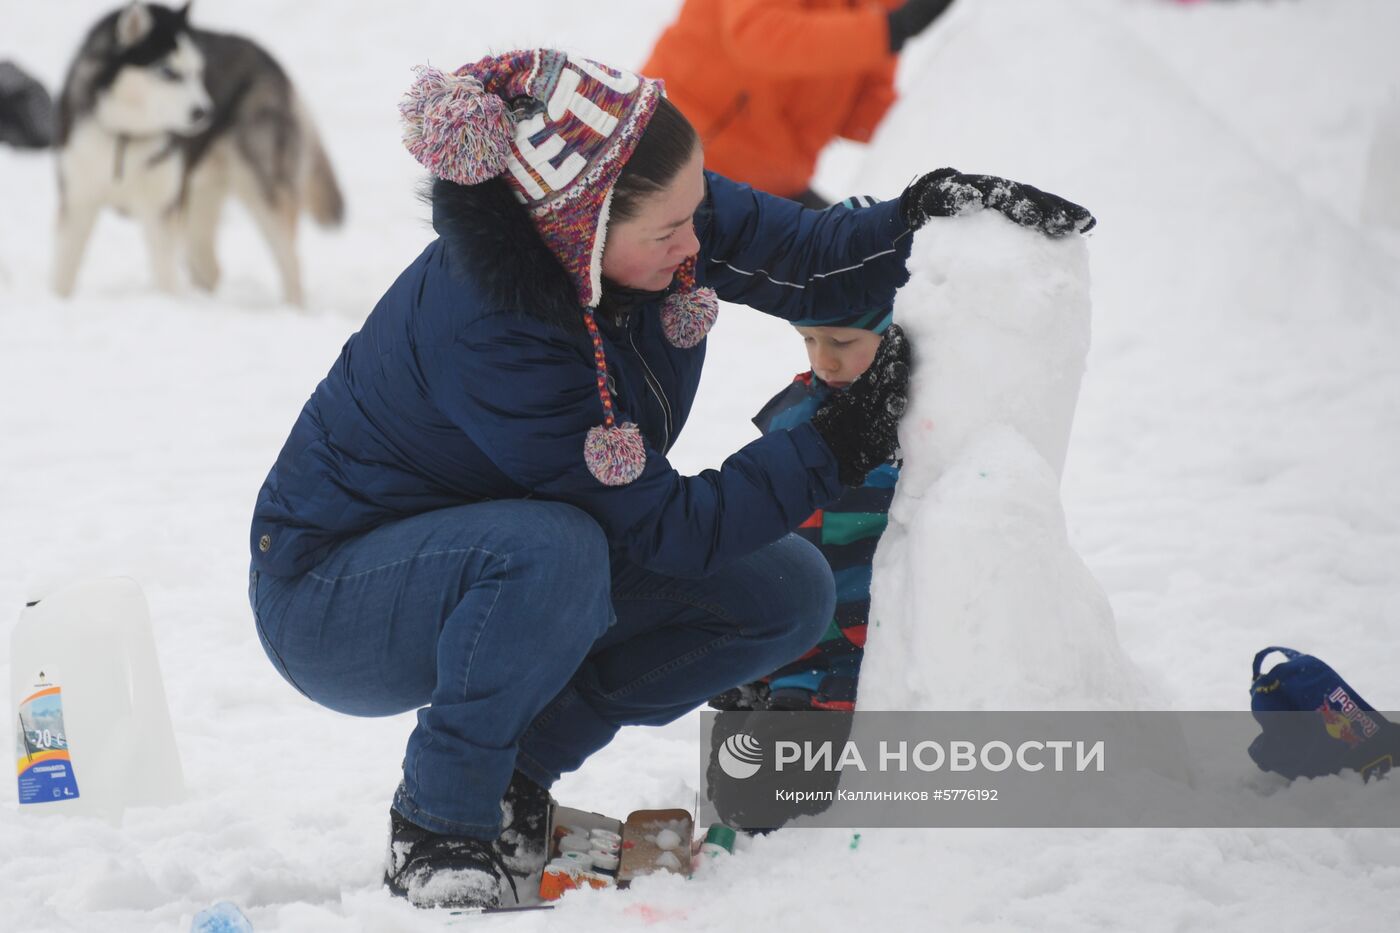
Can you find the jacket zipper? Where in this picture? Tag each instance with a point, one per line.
(655, 385)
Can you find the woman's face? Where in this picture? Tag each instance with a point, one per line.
(645, 251)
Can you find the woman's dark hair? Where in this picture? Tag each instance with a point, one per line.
(666, 146)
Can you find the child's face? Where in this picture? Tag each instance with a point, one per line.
(839, 354)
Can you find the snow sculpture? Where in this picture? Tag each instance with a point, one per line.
(979, 601)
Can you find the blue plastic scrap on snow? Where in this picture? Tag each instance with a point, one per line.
(223, 917)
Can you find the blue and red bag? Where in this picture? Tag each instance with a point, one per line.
(1341, 731)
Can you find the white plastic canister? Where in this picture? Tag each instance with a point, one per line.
(88, 706)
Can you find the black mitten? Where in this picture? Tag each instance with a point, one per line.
(913, 18)
(948, 192)
(861, 424)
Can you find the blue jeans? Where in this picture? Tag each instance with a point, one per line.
(524, 644)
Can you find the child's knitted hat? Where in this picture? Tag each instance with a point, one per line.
(558, 130)
(877, 320)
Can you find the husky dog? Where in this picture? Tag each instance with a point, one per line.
(161, 122)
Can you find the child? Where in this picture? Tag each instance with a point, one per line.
(846, 532)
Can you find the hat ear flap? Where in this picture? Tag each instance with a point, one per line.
(133, 24)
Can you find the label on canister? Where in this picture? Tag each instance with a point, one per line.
(43, 764)
(721, 835)
(719, 838)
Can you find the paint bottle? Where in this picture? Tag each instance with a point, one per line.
(581, 860)
(604, 839)
(575, 843)
(604, 861)
(93, 733)
(719, 840)
(565, 874)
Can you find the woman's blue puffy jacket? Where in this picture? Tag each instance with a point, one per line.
(473, 379)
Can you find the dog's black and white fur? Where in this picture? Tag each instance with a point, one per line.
(162, 122)
(26, 112)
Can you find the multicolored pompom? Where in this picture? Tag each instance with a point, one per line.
(686, 317)
(455, 127)
(615, 455)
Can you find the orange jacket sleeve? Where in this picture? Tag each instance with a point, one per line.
(874, 99)
(785, 38)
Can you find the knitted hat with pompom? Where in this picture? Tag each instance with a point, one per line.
(558, 130)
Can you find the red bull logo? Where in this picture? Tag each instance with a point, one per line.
(1344, 720)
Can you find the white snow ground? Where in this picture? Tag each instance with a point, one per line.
(1230, 478)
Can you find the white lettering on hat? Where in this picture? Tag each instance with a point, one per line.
(538, 157)
(527, 181)
(567, 99)
(624, 83)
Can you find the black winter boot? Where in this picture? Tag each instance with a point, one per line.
(524, 839)
(437, 870)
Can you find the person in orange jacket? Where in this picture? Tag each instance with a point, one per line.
(768, 83)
